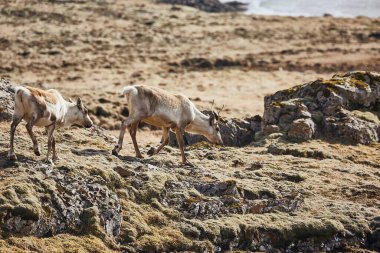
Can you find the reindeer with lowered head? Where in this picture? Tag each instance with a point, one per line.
(168, 111)
(45, 108)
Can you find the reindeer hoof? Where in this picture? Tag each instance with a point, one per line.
(151, 151)
(56, 158)
(12, 157)
(139, 156)
(114, 152)
(37, 152)
(49, 161)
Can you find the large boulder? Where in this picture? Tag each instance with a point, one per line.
(344, 107)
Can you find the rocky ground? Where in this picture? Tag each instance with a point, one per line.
(262, 192)
(272, 195)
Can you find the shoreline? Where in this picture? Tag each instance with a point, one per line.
(214, 6)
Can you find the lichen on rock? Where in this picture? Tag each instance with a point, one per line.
(344, 108)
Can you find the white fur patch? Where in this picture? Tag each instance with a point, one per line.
(129, 89)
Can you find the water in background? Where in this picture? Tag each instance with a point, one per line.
(338, 8)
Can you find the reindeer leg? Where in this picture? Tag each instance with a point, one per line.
(11, 154)
(179, 134)
(55, 157)
(50, 142)
(124, 125)
(165, 141)
(132, 132)
(29, 128)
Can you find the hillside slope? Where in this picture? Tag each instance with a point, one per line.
(271, 195)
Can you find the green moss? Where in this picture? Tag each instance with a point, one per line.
(357, 81)
(276, 103)
(315, 228)
(91, 222)
(9, 195)
(189, 231)
(153, 188)
(366, 115)
(359, 84)
(229, 231)
(20, 200)
(166, 239)
(21, 189)
(317, 116)
(200, 145)
(191, 200)
(332, 83)
(360, 75)
(339, 75)
(238, 205)
(230, 182)
(294, 88)
(332, 90)
(113, 179)
(26, 212)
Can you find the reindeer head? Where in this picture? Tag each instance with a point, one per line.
(214, 135)
(79, 114)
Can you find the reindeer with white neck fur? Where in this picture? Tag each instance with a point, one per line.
(45, 109)
(168, 111)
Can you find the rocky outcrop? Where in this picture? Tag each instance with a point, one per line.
(345, 108)
(235, 132)
(52, 201)
(6, 99)
(209, 5)
(223, 198)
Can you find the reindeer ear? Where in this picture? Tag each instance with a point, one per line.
(212, 117)
(70, 100)
(216, 115)
(79, 103)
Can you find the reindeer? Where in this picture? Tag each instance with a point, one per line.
(45, 109)
(168, 111)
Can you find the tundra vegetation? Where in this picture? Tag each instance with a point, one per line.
(269, 195)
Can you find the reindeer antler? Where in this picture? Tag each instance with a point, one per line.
(212, 105)
(221, 109)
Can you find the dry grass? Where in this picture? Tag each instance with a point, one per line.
(340, 190)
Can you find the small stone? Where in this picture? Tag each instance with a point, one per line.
(256, 166)
(124, 172)
(302, 130)
(271, 129)
(303, 111)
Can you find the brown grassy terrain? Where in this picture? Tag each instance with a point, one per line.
(271, 195)
(92, 49)
(311, 190)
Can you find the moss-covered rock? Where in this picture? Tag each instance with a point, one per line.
(341, 107)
